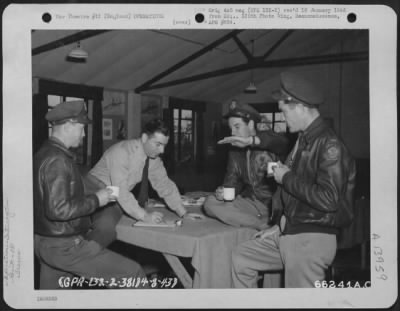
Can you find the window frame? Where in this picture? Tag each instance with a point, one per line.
(179, 118)
(269, 107)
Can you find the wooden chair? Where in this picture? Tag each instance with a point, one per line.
(356, 235)
(49, 276)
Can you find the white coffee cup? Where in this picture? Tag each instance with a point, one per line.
(229, 193)
(115, 190)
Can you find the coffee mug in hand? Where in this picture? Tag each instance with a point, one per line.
(219, 193)
(229, 193)
(271, 166)
(115, 190)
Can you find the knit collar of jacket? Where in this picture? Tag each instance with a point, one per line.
(314, 129)
(60, 145)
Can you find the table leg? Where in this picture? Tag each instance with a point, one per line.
(180, 270)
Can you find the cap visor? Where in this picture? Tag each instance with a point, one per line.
(84, 120)
(277, 95)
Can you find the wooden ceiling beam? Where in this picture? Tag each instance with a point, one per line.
(277, 44)
(244, 50)
(67, 40)
(259, 63)
(187, 60)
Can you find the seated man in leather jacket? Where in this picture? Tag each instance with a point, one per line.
(62, 210)
(246, 172)
(313, 200)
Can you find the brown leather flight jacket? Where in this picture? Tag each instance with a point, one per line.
(247, 168)
(317, 194)
(60, 206)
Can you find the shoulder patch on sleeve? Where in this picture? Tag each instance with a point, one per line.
(332, 153)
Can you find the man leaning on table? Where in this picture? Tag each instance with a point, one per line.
(62, 210)
(313, 201)
(124, 165)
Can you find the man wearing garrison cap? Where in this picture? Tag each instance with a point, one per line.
(246, 172)
(62, 210)
(313, 200)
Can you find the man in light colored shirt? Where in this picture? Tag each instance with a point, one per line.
(122, 166)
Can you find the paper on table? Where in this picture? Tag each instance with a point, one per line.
(158, 204)
(189, 201)
(155, 203)
(164, 224)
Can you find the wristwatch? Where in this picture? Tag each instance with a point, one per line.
(254, 140)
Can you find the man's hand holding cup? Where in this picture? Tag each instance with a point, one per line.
(225, 193)
(219, 193)
(114, 192)
(279, 171)
(107, 195)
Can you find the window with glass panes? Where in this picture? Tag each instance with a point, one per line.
(274, 121)
(184, 134)
(271, 117)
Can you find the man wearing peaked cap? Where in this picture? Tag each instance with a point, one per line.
(314, 199)
(243, 111)
(296, 88)
(62, 209)
(73, 111)
(246, 170)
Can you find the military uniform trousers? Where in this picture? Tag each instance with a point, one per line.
(304, 257)
(241, 212)
(66, 256)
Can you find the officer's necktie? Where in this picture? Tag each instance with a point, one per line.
(144, 186)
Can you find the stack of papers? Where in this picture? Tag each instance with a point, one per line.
(189, 199)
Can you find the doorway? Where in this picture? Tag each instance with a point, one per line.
(186, 147)
(185, 135)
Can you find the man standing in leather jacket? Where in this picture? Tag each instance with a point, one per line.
(313, 201)
(246, 171)
(62, 210)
